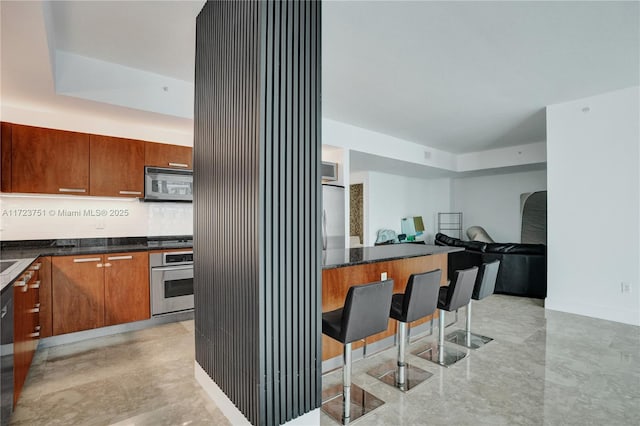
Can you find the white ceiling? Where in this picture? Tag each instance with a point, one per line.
(154, 36)
(468, 76)
(457, 76)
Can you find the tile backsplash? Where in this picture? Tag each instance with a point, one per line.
(25, 217)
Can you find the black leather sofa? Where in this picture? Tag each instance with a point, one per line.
(523, 267)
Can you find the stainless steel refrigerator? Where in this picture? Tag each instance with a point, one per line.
(333, 217)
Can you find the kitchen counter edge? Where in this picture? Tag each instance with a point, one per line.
(340, 258)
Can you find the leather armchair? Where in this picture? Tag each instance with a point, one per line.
(523, 267)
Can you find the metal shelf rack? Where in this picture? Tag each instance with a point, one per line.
(450, 223)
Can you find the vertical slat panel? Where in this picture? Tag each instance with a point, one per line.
(256, 204)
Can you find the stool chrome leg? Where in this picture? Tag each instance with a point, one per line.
(402, 341)
(346, 384)
(347, 402)
(466, 338)
(399, 373)
(437, 352)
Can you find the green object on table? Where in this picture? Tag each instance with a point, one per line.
(411, 237)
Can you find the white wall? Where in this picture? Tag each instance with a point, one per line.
(593, 212)
(342, 158)
(389, 198)
(493, 202)
(32, 217)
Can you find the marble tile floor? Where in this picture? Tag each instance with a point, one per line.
(143, 377)
(543, 367)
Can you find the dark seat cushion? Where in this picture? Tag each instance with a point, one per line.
(331, 323)
(397, 300)
(442, 296)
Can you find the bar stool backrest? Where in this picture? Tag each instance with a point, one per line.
(486, 280)
(461, 288)
(421, 296)
(366, 310)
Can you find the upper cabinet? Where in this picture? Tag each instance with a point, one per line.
(49, 161)
(116, 167)
(163, 155)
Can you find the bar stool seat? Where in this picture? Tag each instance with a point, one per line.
(484, 287)
(365, 313)
(418, 301)
(454, 296)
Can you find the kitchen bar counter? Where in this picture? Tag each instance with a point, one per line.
(344, 268)
(25, 252)
(337, 258)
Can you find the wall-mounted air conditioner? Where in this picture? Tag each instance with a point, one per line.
(329, 171)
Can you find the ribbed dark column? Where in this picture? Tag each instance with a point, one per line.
(257, 203)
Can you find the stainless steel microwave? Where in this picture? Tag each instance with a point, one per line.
(168, 184)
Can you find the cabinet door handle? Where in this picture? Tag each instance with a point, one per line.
(37, 328)
(34, 310)
(34, 335)
(87, 259)
(35, 285)
(178, 165)
(20, 283)
(130, 193)
(119, 257)
(72, 190)
(36, 267)
(99, 265)
(107, 265)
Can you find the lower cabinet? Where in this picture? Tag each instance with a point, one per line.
(97, 290)
(26, 325)
(126, 288)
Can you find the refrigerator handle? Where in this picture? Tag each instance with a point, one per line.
(324, 229)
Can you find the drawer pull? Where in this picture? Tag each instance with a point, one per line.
(36, 267)
(99, 265)
(130, 193)
(35, 285)
(72, 190)
(87, 259)
(21, 283)
(119, 257)
(178, 165)
(34, 310)
(107, 265)
(37, 328)
(34, 335)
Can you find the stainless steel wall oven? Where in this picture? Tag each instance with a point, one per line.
(171, 280)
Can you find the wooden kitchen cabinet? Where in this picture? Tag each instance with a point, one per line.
(98, 290)
(26, 325)
(49, 161)
(46, 302)
(126, 287)
(164, 155)
(78, 293)
(5, 153)
(116, 167)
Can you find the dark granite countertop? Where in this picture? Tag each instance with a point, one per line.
(337, 258)
(25, 252)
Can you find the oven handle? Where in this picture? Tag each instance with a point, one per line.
(172, 268)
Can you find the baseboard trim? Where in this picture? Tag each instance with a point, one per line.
(228, 408)
(232, 413)
(79, 336)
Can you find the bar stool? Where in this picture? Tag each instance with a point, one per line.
(365, 313)
(418, 301)
(451, 297)
(485, 285)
